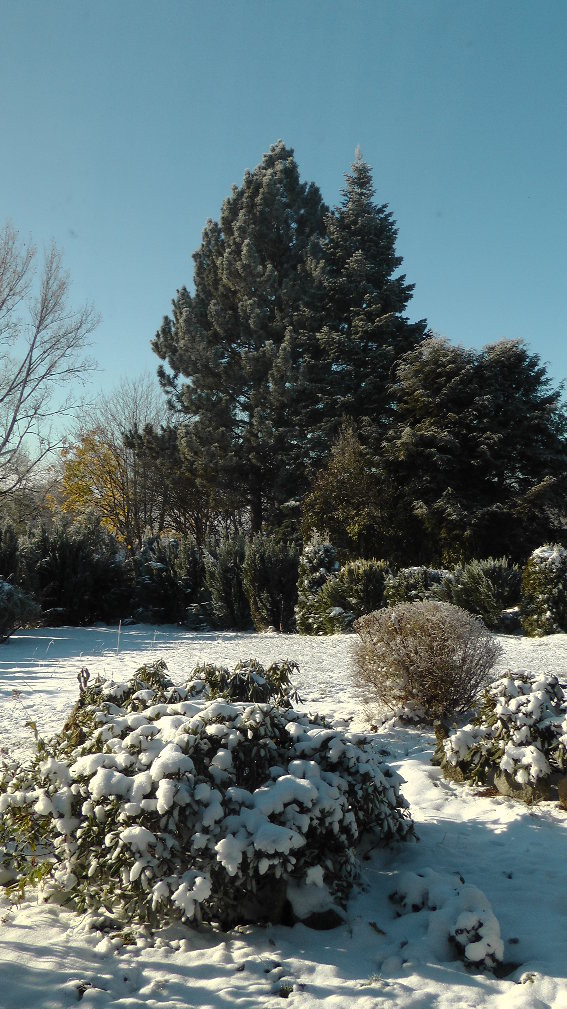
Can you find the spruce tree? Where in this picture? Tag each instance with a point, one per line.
(363, 298)
(235, 360)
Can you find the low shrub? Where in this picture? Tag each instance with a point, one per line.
(544, 592)
(317, 564)
(517, 740)
(411, 585)
(485, 588)
(248, 681)
(155, 805)
(270, 575)
(224, 578)
(456, 909)
(17, 609)
(425, 660)
(358, 588)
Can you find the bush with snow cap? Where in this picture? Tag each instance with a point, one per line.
(172, 806)
(518, 740)
(544, 591)
(459, 911)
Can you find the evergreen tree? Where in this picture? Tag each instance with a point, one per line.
(363, 298)
(478, 451)
(235, 341)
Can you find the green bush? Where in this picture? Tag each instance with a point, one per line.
(270, 574)
(358, 588)
(318, 563)
(426, 660)
(248, 681)
(155, 808)
(169, 578)
(544, 592)
(224, 578)
(411, 585)
(78, 573)
(17, 609)
(517, 740)
(485, 588)
(9, 554)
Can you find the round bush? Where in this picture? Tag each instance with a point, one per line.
(485, 588)
(157, 805)
(410, 585)
(426, 660)
(358, 588)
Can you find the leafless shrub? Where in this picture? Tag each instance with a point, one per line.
(429, 658)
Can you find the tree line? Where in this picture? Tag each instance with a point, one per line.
(300, 397)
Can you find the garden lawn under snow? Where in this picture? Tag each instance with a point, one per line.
(474, 854)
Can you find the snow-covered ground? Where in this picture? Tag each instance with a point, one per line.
(513, 854)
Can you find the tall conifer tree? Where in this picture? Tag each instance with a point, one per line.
(235, 340)
(363, 298)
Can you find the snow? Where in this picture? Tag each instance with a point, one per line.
(487, 871)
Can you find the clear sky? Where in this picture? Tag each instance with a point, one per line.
(124, 124)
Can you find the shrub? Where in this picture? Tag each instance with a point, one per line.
(358, 588)
(485, 588)
(182, 809)
(544, 592)
(270, 582)
(9, 553)
(17, 609)
(169, 578)
(428, 660)
(517, 740)
(78, 573)
(248, 681)
(317, 564)
(455, 908)
(410, 585)
(224, 577)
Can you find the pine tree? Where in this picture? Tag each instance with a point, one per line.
(363, 297)
(478, 451)
(235, 341)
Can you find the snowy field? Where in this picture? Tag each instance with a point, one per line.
(514, 854)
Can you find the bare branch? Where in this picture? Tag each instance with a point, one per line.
(44, 342)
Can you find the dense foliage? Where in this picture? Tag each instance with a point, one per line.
(544, 591)
(156, 805)
(270, 574)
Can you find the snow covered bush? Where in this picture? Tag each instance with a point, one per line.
(154, 804)
(270, 582)
(544, 592)
(410, 585)
(358, 588)
(248, 681)
(16, 609)
(317, 564)
(485, 588)
(459, 911)
(517, 740)
(426, 660)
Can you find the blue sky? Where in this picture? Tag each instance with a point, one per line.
(124, 124)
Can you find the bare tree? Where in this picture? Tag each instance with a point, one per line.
(42, 356)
